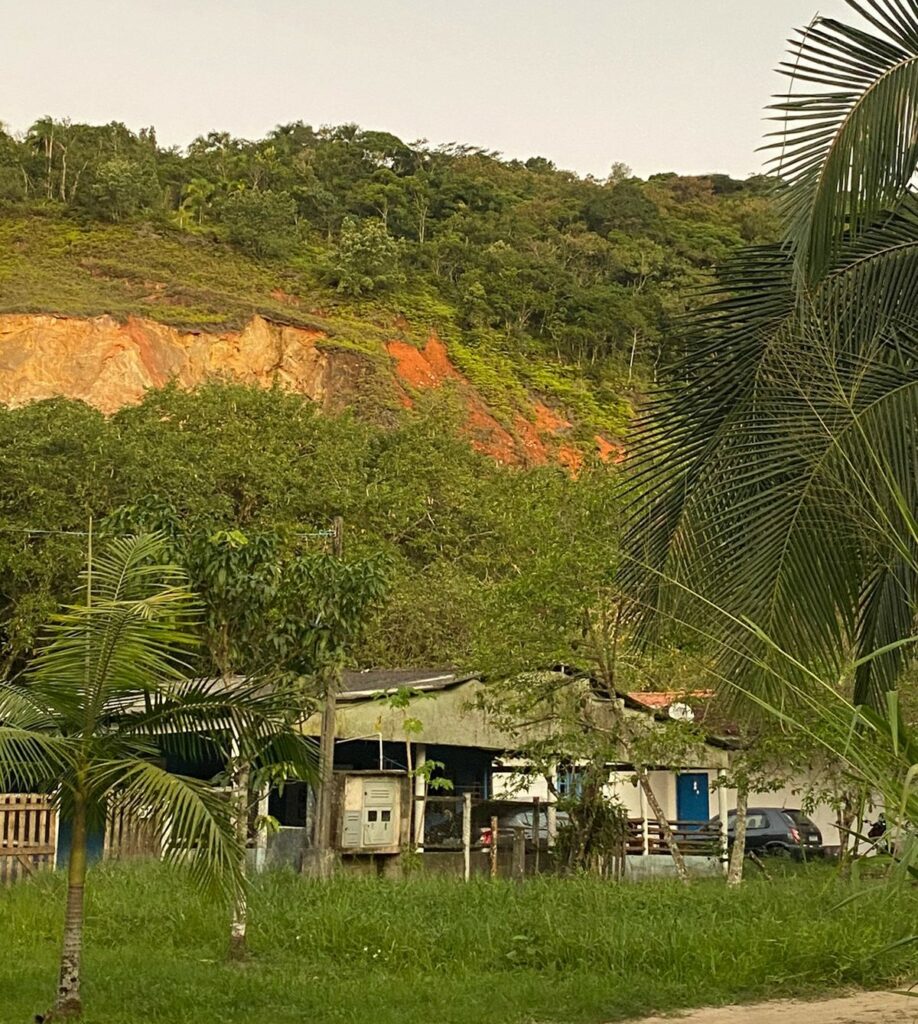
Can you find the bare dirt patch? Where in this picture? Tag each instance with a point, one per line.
(862, 1008)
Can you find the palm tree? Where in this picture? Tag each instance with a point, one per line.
(105, 692)
(778, 466)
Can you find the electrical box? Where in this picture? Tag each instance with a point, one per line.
(373, 812)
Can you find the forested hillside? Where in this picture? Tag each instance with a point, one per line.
(536, 279)
(360, 273)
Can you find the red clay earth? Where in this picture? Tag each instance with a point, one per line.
(431, 367)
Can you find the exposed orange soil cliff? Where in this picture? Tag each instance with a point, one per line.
(109, 364)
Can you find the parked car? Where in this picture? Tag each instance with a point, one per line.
(780, 831)
(510, 821)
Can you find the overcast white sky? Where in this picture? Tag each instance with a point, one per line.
(659, 84)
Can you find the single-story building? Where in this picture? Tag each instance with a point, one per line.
(481, 758)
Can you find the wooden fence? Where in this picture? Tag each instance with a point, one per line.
(28, 835)
(694, 838)
(129, 834)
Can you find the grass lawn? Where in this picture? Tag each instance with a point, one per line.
(428, 950)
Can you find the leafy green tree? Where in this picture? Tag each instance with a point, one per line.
(261, 223)
(237, 578)
(123, 189)
(197, 198)
(14, 181)
(366, 258)
(53, 456)
(105, 690)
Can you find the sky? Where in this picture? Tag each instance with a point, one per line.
(657, 84)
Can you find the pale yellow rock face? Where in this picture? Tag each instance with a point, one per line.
(110, 364)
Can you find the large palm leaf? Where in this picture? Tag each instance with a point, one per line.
(799, 384)
(848, 140)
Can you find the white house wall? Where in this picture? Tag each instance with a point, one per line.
(621, 787)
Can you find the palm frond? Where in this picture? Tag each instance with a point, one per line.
(848, 149)
(132, 637)
(206, 713)
(194, 819)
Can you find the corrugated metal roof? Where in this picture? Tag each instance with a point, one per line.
(372, 681)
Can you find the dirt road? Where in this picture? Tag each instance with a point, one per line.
(863, 1008)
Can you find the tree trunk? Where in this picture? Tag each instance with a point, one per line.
(844, 818)
(319, 858)
(643, 776)
(665, 828)
(68, 1002)
(634, 341)
(738, 854)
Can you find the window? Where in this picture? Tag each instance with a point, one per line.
(371, 815)
(386, 816)
(570, 781)
(752, 821)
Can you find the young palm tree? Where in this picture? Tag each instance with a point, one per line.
(106, 690)
(800, 385)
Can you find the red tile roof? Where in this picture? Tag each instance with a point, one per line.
(659, 700)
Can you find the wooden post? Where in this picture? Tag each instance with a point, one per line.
(536, 832)
(493, 850)
(261, 833)
(467, 835)
(645, 822)
(55, 834)
(518, 868)
(724, 815)
(420, 796)
(320, 863)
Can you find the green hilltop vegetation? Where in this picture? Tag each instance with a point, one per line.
(538, 279)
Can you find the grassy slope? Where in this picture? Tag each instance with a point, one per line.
(52, 265)
(435, 950)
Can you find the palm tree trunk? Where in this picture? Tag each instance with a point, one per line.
(68, 987)
(237, 945)
(738, 853)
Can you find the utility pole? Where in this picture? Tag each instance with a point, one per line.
(321, 861)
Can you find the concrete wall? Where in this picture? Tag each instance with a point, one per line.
(640, 868)
(448, 717)
(622, 787)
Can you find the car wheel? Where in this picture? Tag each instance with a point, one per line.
(777, 850)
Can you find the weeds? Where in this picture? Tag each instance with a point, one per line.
(359, 950)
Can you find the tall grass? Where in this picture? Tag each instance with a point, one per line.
(369, 951)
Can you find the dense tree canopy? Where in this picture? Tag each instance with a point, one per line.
(487, 565)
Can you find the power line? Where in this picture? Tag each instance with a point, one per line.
(325, 534)
(32, 529)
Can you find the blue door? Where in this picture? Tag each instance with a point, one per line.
(692, 797)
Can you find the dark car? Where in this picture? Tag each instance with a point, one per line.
(782, 831)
